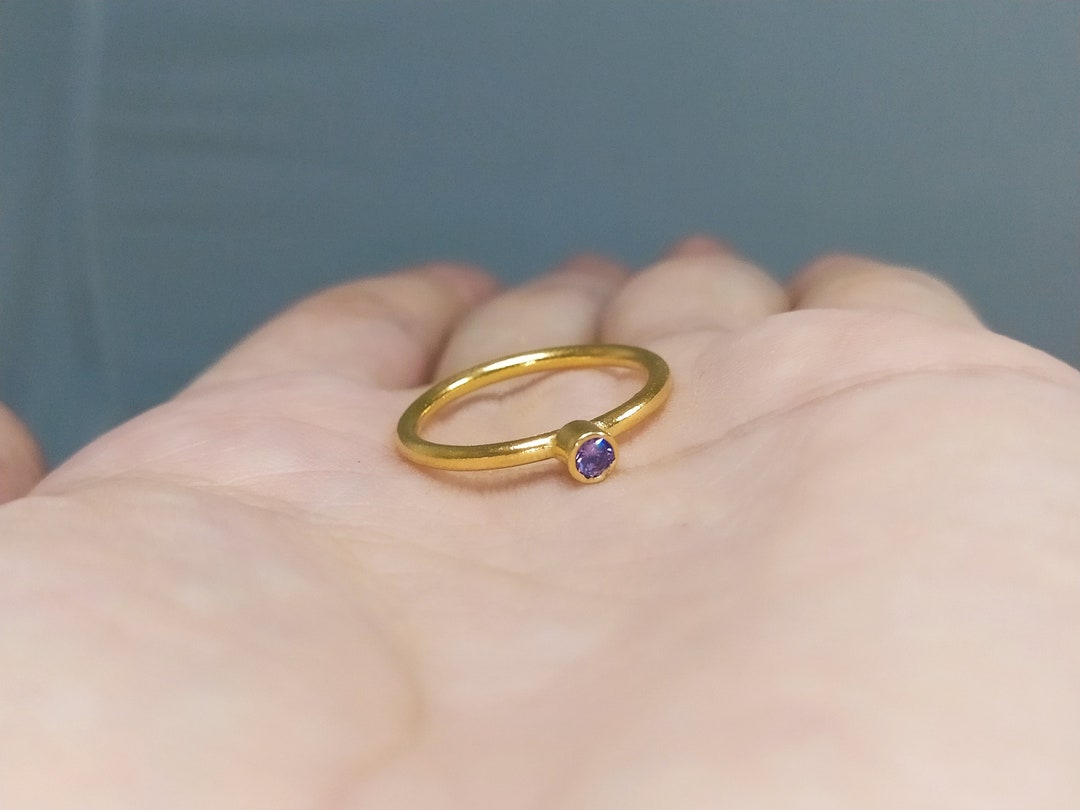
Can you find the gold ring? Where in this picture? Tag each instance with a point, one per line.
(587, 446)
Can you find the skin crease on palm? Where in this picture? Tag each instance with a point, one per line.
(840, 568)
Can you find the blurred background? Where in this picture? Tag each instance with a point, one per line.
(172, 173)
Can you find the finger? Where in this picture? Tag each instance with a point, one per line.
(843, 281)
(21, 462)
(700, 284)
(559, 308)
(385, 330)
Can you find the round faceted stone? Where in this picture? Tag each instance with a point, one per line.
(594, 457)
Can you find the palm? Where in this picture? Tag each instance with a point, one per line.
(293, 616)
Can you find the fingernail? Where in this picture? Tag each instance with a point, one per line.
(592, 264)
(468, 280)
(699, 245)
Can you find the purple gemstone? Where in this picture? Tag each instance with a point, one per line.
(594, 457)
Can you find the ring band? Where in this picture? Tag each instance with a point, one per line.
(588, 447)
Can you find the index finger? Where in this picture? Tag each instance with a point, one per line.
(386, 330)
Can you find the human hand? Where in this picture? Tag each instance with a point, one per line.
(840, 568)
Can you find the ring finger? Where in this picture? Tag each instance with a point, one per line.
(700, 285)
(843, 281)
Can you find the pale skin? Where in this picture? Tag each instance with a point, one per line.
(840, 568)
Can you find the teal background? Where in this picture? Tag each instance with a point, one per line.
(172, 173)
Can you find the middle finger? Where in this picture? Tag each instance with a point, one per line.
(559, 308)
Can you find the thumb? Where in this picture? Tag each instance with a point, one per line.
(21, 462)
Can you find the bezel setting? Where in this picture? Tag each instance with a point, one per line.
(573, 439)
